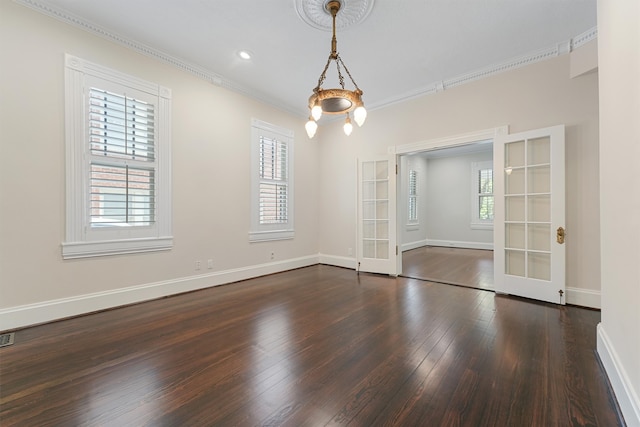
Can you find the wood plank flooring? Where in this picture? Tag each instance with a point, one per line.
(312, 347)
(456, 266)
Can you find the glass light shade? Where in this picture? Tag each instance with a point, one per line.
(316, 112)
(348, 127)
(360, 115)
(311, 127)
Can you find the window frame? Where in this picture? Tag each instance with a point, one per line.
(412, 223)
(476, 222)
(273, 231)
(81, 239)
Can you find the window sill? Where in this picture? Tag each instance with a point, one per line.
(412, 227)
(482, 226)
(265, 236)
(75, 250)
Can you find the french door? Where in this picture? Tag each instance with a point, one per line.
(529, 250)
(376, 232)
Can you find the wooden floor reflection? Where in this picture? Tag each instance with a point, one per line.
(311, 347)
(456, 266)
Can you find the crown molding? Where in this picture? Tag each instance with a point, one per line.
(202, 73)
(511, 64)
(218, 80)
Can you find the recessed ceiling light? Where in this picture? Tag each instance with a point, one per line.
(244, 54)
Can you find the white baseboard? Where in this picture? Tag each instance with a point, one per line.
(458, 244)
(583, 297)
(338, 261)
(47, 311)
(414, 245)
(622, 386)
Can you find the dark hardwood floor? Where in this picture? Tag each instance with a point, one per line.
(311, 347)
(456, 266)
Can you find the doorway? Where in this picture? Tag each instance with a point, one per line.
(445, 212)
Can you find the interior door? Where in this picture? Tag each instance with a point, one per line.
(376, 248)
(529, 250)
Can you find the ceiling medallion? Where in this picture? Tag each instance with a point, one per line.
(316, 14)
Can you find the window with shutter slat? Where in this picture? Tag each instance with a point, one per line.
(413, 197)
(482, 206)
(118, 162)
(121, 130)
(271, 182)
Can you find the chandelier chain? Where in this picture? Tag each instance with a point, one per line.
(348, 73)
(323, 75)
(340, 76)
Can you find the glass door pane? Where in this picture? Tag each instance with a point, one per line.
(375, 209)
(528, 231)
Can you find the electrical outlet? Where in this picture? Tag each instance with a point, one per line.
(198, 265)
(350, 251)
(209, 264)
(273, 255)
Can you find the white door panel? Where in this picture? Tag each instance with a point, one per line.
(529, 214)
(377, 215)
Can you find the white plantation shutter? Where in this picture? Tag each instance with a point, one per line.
(413, 196)
(485, 194)
(482, 199)
(122, 188)
(272, 183)
(274, 190)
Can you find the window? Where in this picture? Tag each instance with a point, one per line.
(413, 197)
(482, 194)
(272, 182)
(118, 165)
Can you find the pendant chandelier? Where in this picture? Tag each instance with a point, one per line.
(335, 101)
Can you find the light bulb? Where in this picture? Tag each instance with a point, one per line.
(316, 112)
(311, 127)
(348, 127)
(360, 115)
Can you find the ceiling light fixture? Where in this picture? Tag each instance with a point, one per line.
(335, 101)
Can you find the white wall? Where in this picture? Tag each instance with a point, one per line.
(535, 96)
(619, 73)
(449, 202)
(211, 193)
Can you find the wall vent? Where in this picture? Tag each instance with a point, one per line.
(6, 339)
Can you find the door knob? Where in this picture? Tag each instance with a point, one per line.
(560, 235)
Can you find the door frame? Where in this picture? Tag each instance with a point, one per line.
(435, 144)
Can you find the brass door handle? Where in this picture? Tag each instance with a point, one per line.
(560, 235)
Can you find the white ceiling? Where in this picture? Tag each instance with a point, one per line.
(401, 48)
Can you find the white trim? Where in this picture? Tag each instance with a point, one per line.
(75, 250)
(47, 311)
(414, 245)
(266, 236)
(481, 225)
(583, 297)
(218, 80)
(338, 261)
(459, 244)
(449, 141)
(621, 384)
